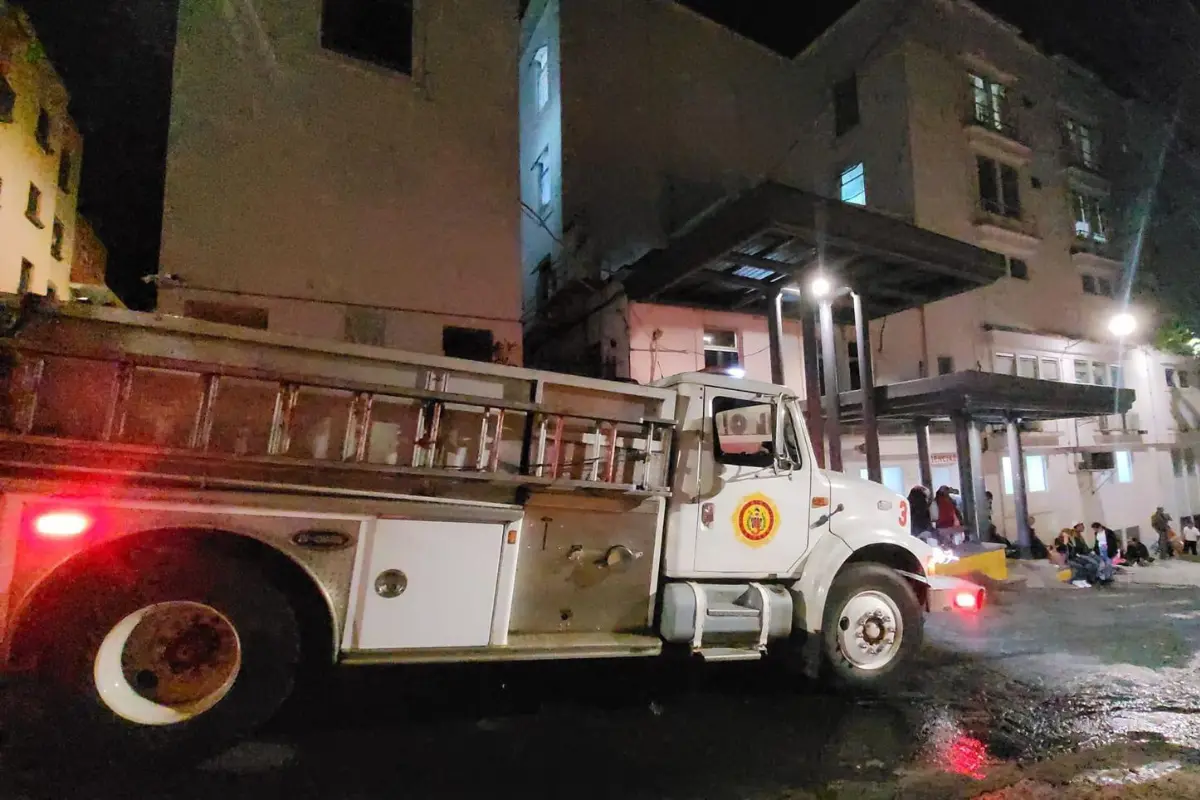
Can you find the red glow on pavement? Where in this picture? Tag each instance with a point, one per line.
(965, 755)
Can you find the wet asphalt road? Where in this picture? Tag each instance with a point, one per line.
(1038, 673)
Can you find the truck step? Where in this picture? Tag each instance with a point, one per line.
(729, 654)
(731, 610)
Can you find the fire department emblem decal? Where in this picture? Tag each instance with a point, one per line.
(756, 520)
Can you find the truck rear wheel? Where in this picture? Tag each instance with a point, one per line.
(872, 627)
(164, 652)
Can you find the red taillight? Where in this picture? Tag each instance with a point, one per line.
(61, 524)
(967, 601)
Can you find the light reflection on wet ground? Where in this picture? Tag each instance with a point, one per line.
(1038, 674)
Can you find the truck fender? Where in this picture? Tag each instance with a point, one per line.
(833, 551)
(816, 576)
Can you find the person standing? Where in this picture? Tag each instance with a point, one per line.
(1191, 534)
(1160, 521)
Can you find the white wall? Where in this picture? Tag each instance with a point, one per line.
(295, 172)
(668, 340)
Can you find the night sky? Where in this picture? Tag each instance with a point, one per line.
(115, 56)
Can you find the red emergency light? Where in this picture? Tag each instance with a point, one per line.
(966, 601)
(61, 524)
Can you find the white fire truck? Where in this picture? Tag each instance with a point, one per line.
(190, 510)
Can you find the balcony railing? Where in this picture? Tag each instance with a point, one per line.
(992, 119)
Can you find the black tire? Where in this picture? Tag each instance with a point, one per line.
(69, 625)
(851, 581)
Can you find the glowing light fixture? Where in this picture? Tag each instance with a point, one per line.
(1122, 324)
(820, 286)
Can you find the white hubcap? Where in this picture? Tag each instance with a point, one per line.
(870, 630)
(167, 663)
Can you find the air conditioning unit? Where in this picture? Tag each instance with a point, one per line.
(1097, 462)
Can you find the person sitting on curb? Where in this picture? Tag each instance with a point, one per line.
(1137, 554)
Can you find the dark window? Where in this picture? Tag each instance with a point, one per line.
(1089, 284)
(226, 314)
(743, 432)
(999, 188)
(42, 132)
(379, 31)
(845, 105)
(26, 276)
(33, 207)
(1170, 375)
(64, 171)
(1184, 380)
(1010, 191)
(545, 282)
(1017, 268)
(476, 344)
(366, 326)
(8, 100)
(1104, 287)
(852, 358)
(56, 240)
(945, 365)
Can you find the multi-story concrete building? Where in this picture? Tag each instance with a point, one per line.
(40, 156)
(931, 112)
(347, 169)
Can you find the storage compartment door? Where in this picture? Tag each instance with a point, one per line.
(427, 584)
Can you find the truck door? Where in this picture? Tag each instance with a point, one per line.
(755, 481)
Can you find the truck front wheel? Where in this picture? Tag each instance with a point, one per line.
(872, 626)
(164, 652)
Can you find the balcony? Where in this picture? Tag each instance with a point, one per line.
(995, 131)
(1003, 229)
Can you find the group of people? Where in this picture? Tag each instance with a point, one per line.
(1170, 544)
(936, 516)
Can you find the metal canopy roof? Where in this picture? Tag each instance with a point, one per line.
(733, 257)
(989, 398)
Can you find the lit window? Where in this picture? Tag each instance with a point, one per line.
(721, 350)
(1114, 375)
(1050, 370)
(1091, 218)
(1035, 474)
(1027, 367)
(893, 478)
(1081, 141)
(999, 187)
(1124, 461)
(1004, 364)
(541, 76)
(853, 185)
(991, 104)
(541, 172)
(378, 31)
